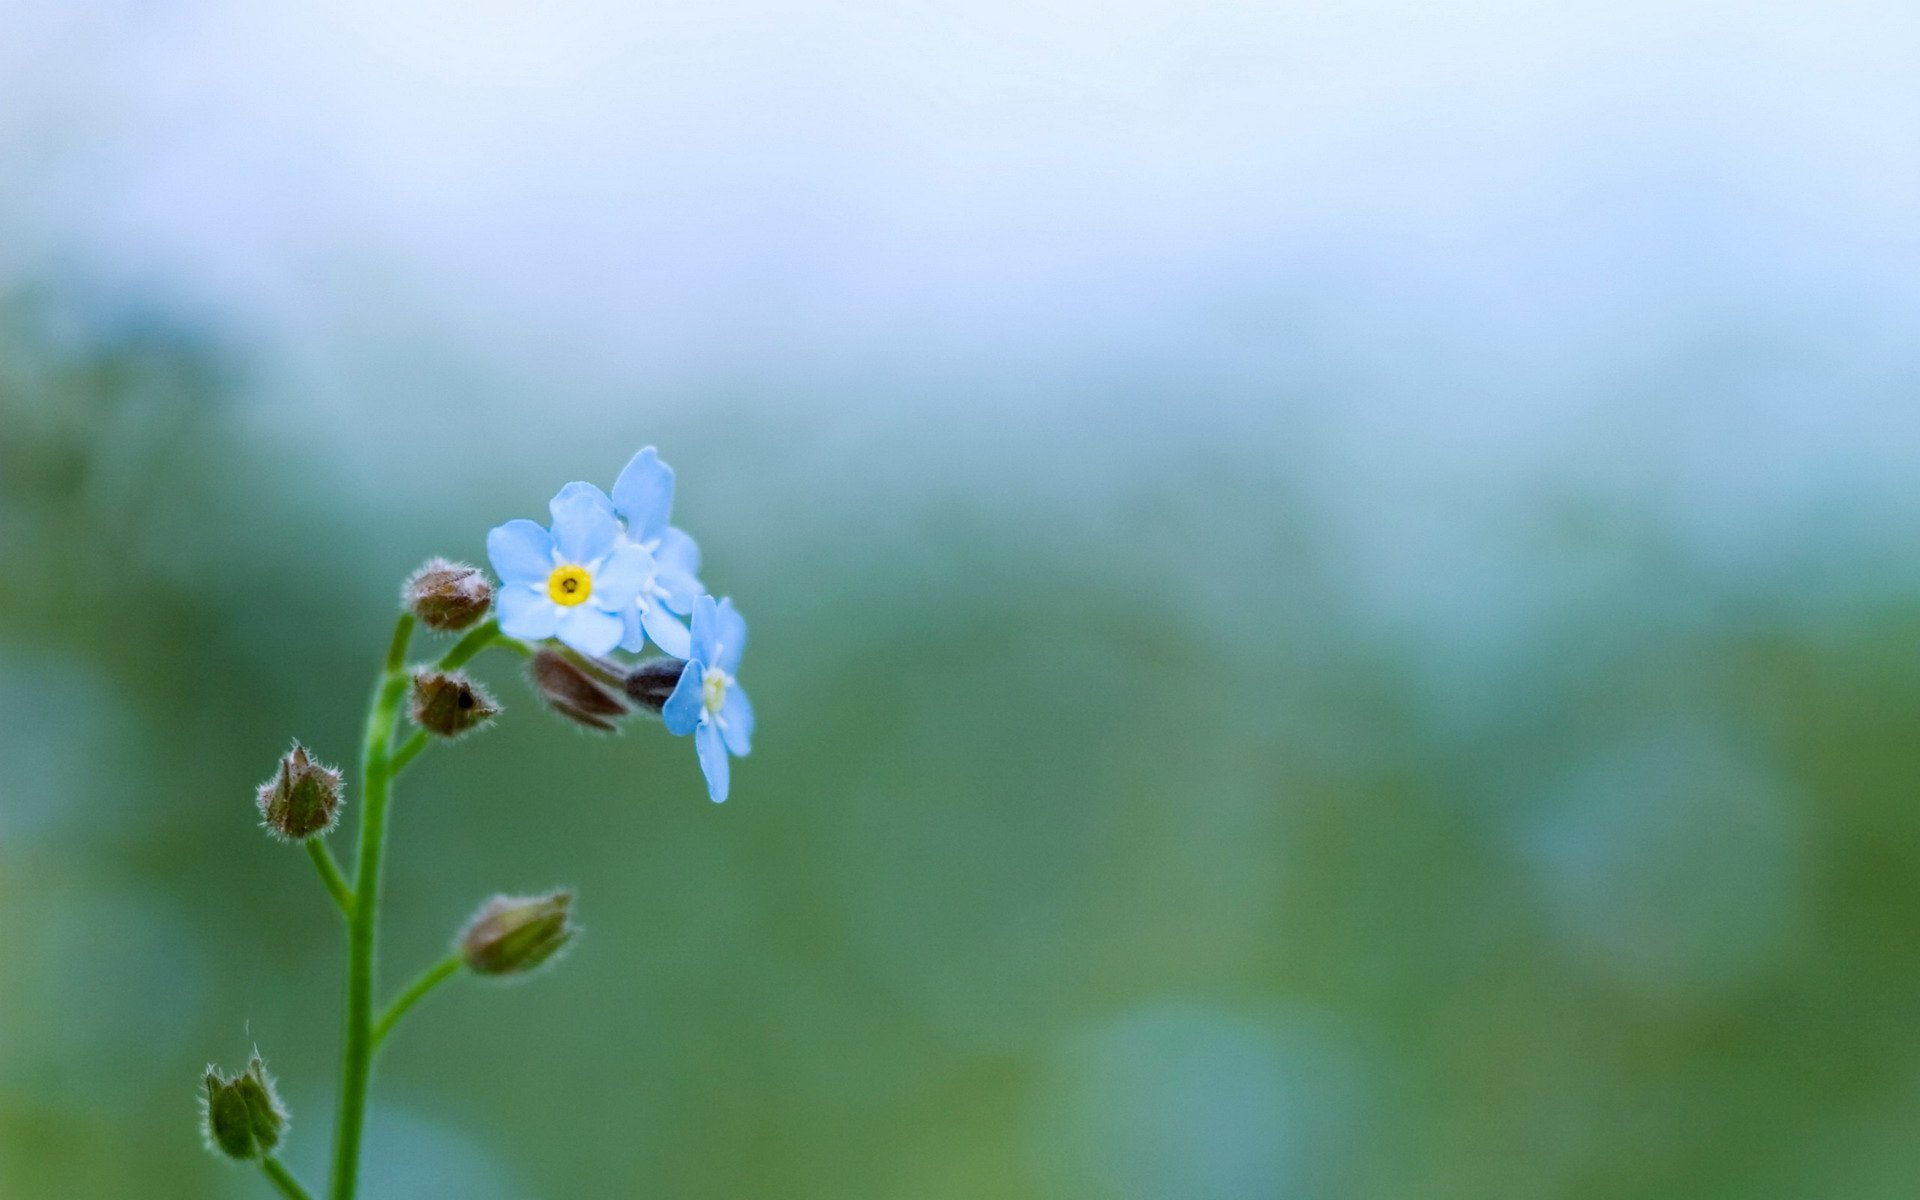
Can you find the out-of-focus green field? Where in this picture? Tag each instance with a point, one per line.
(1096, 851)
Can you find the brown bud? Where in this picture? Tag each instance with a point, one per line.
(301, 799)
(447, 595)
(649, 683)
(571, 689)
(512, 935)
(450, 704)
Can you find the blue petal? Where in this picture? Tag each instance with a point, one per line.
(679, 551)
(526, 612)
(644, 495)
(682, 710)
(521, 552)
(589, 630)
(635, 637)
(713, 760)
(584, 527)
(737, 718)
(667, 633)
(621, 577)
(705, 628)
(681, 588)
(730, 632)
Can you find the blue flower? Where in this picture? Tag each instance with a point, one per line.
(573, 583)
(643, 496)
(707, 702)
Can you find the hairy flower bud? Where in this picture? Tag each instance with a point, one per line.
(450, 704)
(649, 683)
(242, 1116)
(512, 935)
(569, 688)
(447, 595)
(301, 799)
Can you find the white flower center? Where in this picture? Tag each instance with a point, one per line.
(713, 690)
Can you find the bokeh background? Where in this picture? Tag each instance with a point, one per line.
(1335, 589)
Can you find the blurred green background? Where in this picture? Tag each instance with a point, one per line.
(1334, 590)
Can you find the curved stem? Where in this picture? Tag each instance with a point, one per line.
(397, 647)
(283, 1179)
(514, 645)
(478, 638)
(429, 979)
(462, 652)
(407, 752)
(330, 875)
(356, 1058)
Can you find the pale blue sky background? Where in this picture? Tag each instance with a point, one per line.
(1413, 255)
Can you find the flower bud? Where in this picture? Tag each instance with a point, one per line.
(447, 595)
(512, 935)
(570, 690)
(242, 1116)
(301, 799)
(450, 704)
(649, 683)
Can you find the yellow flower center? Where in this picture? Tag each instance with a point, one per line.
(569, 585)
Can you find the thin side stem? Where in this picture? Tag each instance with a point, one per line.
(462, 652)
(283, 1179)
(330, 875)
(356, 1057)
(429, 979)
(479, 638)
(407, 751)
(397, 648)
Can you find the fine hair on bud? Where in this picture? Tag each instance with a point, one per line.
(302, 799)
(577, 689)
(241, 1115)
(447, 595)
(448, 704)
(512, 935)
(650, 682)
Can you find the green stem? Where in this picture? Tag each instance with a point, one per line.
(515, 645)
(380, 761)
(429, 979)
(462, 652)
(330, 875)
(356, 1058)
(397, 648)
(407, 752)
(478, 639)
(283, 1179)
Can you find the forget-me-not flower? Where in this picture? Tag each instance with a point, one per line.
(707, 702)
(643, 496)
(573, 583)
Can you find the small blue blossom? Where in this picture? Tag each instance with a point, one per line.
(573, 583)
(707, 702)
(643, 496)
